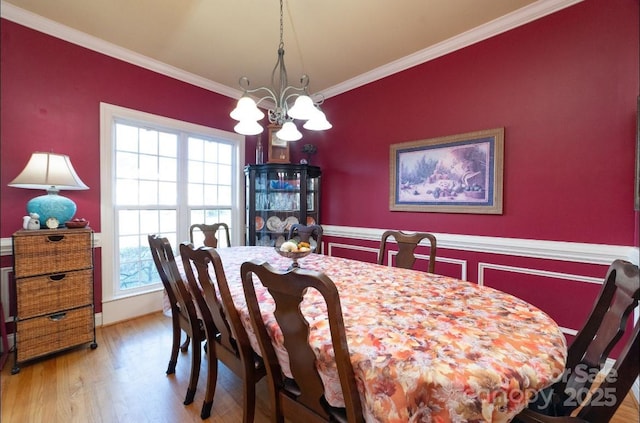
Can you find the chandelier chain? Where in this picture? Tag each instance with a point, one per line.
(281, 27)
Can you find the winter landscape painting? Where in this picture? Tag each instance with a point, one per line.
(453, 174)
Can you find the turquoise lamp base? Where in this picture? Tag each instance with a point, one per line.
(52, 205)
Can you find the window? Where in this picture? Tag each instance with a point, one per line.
(159, 176)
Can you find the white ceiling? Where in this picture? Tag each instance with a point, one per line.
(340, 44)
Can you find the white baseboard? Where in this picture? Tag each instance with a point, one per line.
(120, 309)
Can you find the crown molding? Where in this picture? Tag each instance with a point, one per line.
(55, 29)
(505, 23)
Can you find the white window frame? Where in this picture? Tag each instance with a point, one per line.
(118, 307)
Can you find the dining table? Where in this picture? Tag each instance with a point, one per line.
(424, 347)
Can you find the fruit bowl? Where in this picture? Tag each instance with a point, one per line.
(76, 224)
(294, 255)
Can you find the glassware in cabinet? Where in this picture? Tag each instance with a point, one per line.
(277, 196)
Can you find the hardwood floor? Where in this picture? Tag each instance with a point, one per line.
(124, 381)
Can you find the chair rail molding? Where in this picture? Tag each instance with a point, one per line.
(554, 250)
(602, 254)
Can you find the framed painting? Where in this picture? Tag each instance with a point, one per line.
(278, 150)
(453, 174)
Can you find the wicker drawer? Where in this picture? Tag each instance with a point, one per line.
(46, 334)
(41, 295)
(51, 252)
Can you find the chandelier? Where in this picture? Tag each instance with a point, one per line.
(289, 103)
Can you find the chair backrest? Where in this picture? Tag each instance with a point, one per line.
(591, 348)
(407, 243)
(602, 331)
(179, 296)
(219, 314)
(306, 233)
(619, 381)
(210, 233)
(307, 397)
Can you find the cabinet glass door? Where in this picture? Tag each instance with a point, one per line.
(278, 196)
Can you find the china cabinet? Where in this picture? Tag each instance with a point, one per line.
(279, 195)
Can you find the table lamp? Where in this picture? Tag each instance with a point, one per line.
(51, 172)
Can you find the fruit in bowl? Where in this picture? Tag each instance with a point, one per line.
(78, 222)
(291, 249)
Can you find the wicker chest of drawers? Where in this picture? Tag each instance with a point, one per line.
(54, 292)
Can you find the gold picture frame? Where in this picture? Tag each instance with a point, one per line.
(452, 174)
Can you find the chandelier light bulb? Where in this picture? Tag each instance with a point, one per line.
(303, 108)
(246, 110)
(289, 132)
(318, 122)
(248, 127)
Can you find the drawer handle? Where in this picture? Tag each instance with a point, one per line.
(58, 277)
(57, 317)
(55, 238)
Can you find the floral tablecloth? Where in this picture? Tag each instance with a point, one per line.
(424, 347)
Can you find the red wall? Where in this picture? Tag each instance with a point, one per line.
(50, 98)
(564, 88)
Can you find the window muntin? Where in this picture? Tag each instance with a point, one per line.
(153, 165)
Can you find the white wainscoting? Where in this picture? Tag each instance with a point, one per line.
(390, 254)
(542, 273)
(554, 250)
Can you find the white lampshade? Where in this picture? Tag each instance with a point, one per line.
(246, 109)
(48, 170)
(303, 108)
(51, 172)
(248, 127)
(289, 132)
(318, 122)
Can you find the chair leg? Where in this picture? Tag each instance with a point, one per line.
(195, 373)
(212, 377)
(185, 346)
(249, 392)
(177, 333)
(171, 369)
(206, 410)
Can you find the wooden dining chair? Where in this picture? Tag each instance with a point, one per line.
(306, 233)
(227, 339)
(183, 311)
(587, 354)
(407, 243)
(300, 399)
(210, 233)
